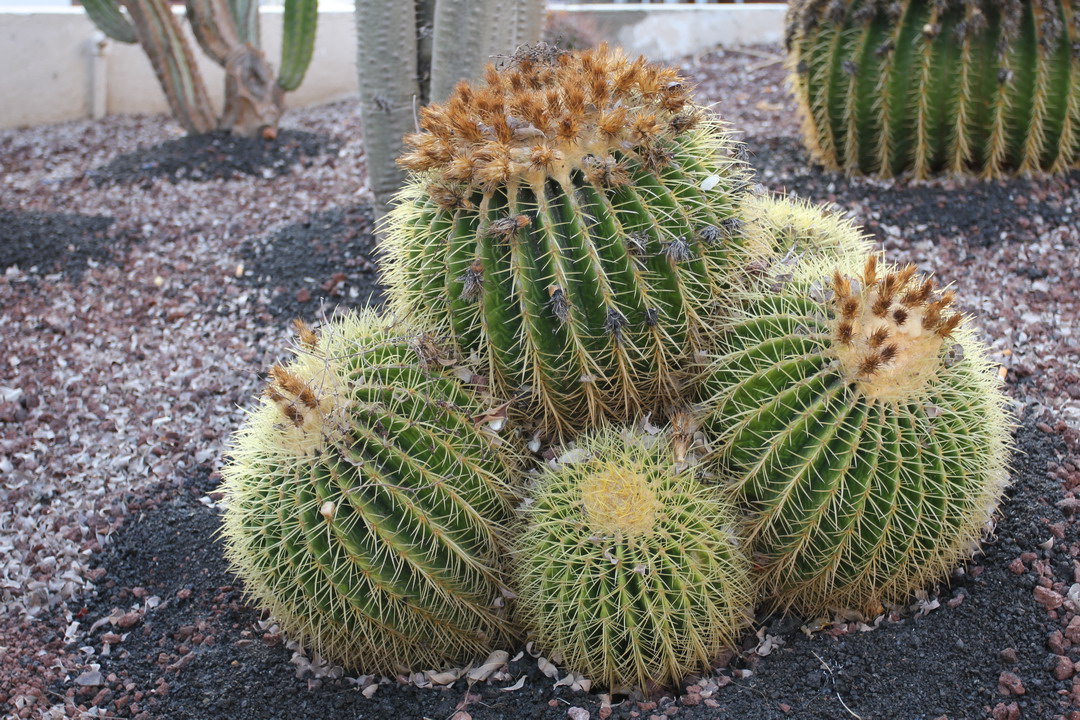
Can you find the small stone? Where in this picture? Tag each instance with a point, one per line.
(129, 619)
(183, 593)
(1072, 632)
(577, 713)
(1010, 684)
(1056, 643)
(691, 699)
(1048, 598)
(303, 296)
(784, 707)
(1002, 711)
(89, 678)
(1008, 655)
(1017, 566)
(1063, 668)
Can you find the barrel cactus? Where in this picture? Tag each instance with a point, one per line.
(628, 566)
(566, 223)
(788, 230)
(364, 509)
(989, 87)
(860, 425)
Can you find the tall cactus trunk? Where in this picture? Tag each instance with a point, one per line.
(253, 101)
(162, 38)
(410, 54)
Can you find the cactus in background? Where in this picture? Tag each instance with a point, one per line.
(364, 509)
(861, 426)
(228, 31)
(989, 87)
(627, 566)
(567, 223)
(410, 53)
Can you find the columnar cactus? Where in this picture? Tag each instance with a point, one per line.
(627, 566)
(567, 222)
(982, 86)
(228, 31)
(861, 426)
(364, 509)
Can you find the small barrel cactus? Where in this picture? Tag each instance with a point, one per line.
(789, 230)
(861, 427)
(566, 223)
(966, 87)
(628, 566)
(364, 509)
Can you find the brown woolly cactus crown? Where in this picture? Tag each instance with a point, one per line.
(889, 329)
(549, 113)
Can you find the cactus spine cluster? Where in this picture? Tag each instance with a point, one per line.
(628, 567)
(861, 426)
(566, 224)
(977, 86)
(228, 31)
(365, 510)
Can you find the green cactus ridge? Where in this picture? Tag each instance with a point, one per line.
(628, 566)
(989, 87)
(364, 509)
(566, 223)
(861, 427)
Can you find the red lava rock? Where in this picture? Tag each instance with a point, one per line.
(955, 602)
(603, 713)
(1006, 712)
(672, 710)
(1048, 598)
(1063, 670)
(1057, 643)
(691, 699)
(709, 702)
(129, 619)
(646, 706)
(303, 296)
(1072, 632)
(183, 594)
(1017, 566)
(1010, 684)
(784, 707)
(722, 680)
(111, 638)
(1008, 655)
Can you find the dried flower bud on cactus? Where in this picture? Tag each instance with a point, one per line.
(862, 428)
(585, 172)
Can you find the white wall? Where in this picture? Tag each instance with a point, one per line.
(51, 75)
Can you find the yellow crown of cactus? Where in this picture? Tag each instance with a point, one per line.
(627, 565)
(364, 509)
(861, 427)
(567, 222)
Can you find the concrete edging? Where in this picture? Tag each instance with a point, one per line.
(68, 70)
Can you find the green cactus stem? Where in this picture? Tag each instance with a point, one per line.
(566, 223)
(297, 42)
(628, 566)
(364, 508)
(110, 20)
(989, 88)
(790, 230)
(862, 429)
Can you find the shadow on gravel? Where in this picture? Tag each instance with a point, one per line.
(200, 654)
(981, 211)
(307, 269)
(216, 156)
(41, 243)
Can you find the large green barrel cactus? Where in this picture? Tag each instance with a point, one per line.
(364, 509)
(566, 224)
(861, 426)
(628, 566)
(989, 87)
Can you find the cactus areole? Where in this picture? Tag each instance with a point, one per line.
(988, 87)
(863, 431)
(566, 224)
